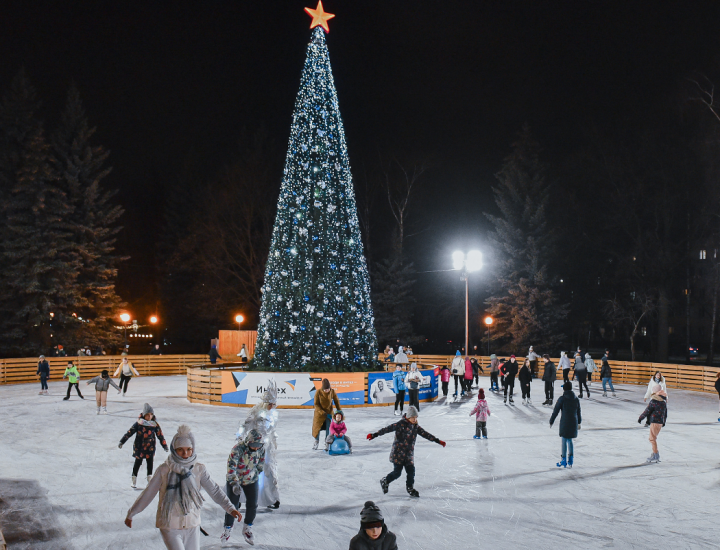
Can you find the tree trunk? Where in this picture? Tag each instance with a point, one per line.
(632, 345)
(663, 326)
(711, 350)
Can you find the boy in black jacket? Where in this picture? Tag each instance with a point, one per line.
(374, 534)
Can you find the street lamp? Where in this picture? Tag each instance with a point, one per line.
(125, 317)
(488, 322)
(239, 319)
(467, 263)
(153, 319)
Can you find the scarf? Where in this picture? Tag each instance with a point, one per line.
(181, 489)
(149, 423)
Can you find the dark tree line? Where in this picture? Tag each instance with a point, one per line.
(57, 229)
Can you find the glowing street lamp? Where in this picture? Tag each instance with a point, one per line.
(488, 323)
(125, 318)
(467, 263)
(153, 319)
(239, 319)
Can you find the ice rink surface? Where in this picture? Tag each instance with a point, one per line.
(64, 484)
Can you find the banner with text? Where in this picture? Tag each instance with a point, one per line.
(380, 387)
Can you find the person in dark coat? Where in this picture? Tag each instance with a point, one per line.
(509, 371)
(214, 355)
(549, 376)
(525, 377)
(477, 369)
(570, 421)
(43, 371)
(606, 374)
(403, 449)
(146, 429)
(374, 534)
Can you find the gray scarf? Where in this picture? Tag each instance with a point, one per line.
(181, 489)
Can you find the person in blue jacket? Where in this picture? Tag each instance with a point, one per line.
(399, 388)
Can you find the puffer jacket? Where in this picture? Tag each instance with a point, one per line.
(445, 375)
(605, 371)
(550, 372)
(525, 376)
(398, 381)
(386, 541)
(481, 410)
(468, 370)
(569, 404)
(403, 448)
(458, 366)
(338, 428)
(103, 384)
(43, 369)
(590, 364)
(244, 465)
(146, 432)
(656, 410)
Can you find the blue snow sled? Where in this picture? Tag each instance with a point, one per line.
(339, 447)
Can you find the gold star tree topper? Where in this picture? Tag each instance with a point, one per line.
(320, 17)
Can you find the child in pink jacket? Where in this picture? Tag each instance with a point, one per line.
(338, 429)
(445, 379)
(481, 412)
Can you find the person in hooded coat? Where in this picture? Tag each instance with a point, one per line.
(323, 404)
(570, 421)
(581, 374)
(374, 534)
(494, 369)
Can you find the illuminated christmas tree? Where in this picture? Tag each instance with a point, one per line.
(316, 310)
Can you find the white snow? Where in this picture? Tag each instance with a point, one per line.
(502, 493)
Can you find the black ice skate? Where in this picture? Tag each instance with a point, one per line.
(412, 492)
(384, 484)
(275, 505)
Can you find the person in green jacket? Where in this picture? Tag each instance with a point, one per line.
(73, 376)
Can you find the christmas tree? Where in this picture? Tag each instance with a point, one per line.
(316, 311)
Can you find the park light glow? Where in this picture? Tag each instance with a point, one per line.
(474, 262)
(239, 319)
(124, 317)
(458, 259)
(153, 319)
(488, 320)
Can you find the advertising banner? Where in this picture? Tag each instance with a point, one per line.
(294, 389)
(380, 387)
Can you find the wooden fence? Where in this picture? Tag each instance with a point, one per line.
(685, 377)
(22, 370)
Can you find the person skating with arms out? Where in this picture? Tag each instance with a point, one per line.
(656, 413)
(374, 534)
(402, 454)
(146, 429)
(102, 385)
(178, 482)
(570, 421)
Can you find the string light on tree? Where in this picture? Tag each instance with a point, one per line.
(316, 295)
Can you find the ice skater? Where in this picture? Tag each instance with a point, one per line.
(468, 378)
(581, 375)
(445, 379)
(656, 379)
(146, 429)
(73, 376)
(126, 370)
(399, 387)
(606, 374)
(179, 480)
(549, 376)
(477, 369)
(402, 454)
(102, 385)
(244, 466)
(263, 417)
(413, 380)
(656, 413)
(509, 371)
(458, 371)
(338, 430)
(590, 367)
(565, 366)
(323, 410)
(494, 368)
(525, 377)
(570, 421)
(43, 371)
(481, 412)
(374, 534)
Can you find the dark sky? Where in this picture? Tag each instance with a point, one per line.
(451, 81)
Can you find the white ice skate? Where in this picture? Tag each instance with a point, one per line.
(226, 534)
(98, 410)
(104, 410)
(529, 401)
(397, 413)
(134, 482)
(315, 445)
(247, 533)
(149, 478)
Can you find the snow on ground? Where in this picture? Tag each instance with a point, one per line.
(64, 484)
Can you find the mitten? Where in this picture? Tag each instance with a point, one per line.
(443, 443)
(369, 436)
(639, 420)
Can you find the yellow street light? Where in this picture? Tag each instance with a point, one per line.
(239, 319)
(124, 317)
(488, 321)
(153, 319)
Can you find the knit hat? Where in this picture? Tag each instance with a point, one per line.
(339, 412)
(588, 356)
(412, 412)
(493, 356)
(656, 388)
(253, 438)
(457, 353)
(567, 386)
(42, 357)
(371, 516)
(481, 393)
(512, 356)
(105, 374)
(147, 409)
(183, 438)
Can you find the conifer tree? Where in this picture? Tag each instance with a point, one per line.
(524, 302)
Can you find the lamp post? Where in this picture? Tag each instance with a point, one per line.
(125, 317)
(488, 323)
(467, 263)
(239, 319)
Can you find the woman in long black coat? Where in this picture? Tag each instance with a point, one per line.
(570, 421)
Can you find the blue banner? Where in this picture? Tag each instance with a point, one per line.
(380, 387)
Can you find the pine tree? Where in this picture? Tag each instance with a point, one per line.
(39, 264)
(316, 310)
(92, 224)
(525, 303)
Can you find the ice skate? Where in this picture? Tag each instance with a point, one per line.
(315, 445)
(477, 437)
(614, 394)
(134, 482)
(247, 533)
(484, 437)
(657, 457)
(275, 505)
(651, 459)
(511, 401)
(604, 394)
(397, 413)
(66, 398)
(562, 463)
(524, 401)
(529, 401)
(104, 410)
(41, 392)
(505, 399)
(570, 461)
(226, 534)
(149, 478)
(98, 410)
(412, 492)
(384, 484)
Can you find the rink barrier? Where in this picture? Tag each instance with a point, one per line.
(685, 377)
(204, 386)
(22, 370)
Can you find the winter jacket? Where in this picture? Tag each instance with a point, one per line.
(445, 375)
(569, 404)
(72, 373)
(386, 541)
(494, 364)
(590, 365)
(43, 369)
(477, 367)
(399, 381)
(458, 366)
(605, 371)
(338, 428)
(128, 369)
(509, 369)
(401, 357)
(579, 363)
(103, 384)
(653, 383)
(146, 432)
(525, 376)
(403, 448)
(550, 372)
(155, 351)
(656, 410)
(158, 484)
(468, 370)
(565, 362)
(323, 408)
(244, 464)
(481, 410)
(214, 355)
(532, 356)
(413, 379)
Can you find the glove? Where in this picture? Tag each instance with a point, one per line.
(237, 489)
(639, 420)
(119, 445)
(443, 443)
(369, 436)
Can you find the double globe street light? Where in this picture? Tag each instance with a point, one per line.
(467, 263)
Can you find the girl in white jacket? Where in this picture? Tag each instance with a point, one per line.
(178, 480)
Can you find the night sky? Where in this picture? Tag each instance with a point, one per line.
(447, 82)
